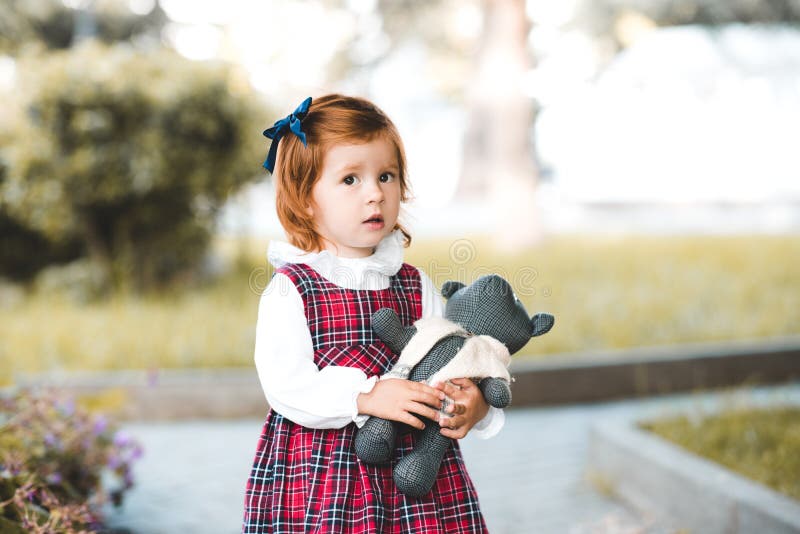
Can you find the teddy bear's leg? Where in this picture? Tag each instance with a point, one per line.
(496, 391)
(416, 472)
(388, 327)
(374, 441)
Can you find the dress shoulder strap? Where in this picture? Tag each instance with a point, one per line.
(304, 278)
(408, 278)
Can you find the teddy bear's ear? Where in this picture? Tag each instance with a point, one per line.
(450, 287)
(541, 323)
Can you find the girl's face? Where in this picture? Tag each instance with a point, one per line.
(358, 183)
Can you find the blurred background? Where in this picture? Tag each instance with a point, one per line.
(635, 156)
(628, 155)
(629, 165)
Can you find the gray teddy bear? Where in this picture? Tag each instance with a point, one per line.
(484, 323)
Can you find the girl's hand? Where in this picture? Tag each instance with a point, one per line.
(400, 400)
(468, 407)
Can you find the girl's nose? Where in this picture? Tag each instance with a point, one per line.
(374, 191)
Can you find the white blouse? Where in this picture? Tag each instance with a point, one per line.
(284, 355)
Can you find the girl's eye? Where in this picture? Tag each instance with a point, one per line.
(387, 177)
(350, 180)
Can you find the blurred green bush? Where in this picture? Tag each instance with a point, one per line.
(124, 157)
(25, 24)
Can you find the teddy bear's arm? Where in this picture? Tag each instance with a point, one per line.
(496, 391)
(388, 327)
(440, 355)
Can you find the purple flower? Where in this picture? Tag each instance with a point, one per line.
(67, 407)
(136, 452)
(114, 461)
(64, 435)
(100, 425)
(121, 438)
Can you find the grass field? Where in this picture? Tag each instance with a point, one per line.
(606, 293)
(761, 444)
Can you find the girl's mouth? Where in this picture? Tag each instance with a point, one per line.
(375, 222)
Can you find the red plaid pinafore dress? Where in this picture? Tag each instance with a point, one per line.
(310, 480)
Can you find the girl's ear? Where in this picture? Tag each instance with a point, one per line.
(450, 287)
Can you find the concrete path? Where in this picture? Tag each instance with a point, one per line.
(530, 478)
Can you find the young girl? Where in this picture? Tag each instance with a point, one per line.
(340, 175)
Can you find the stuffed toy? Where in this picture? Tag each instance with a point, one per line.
(483, 325)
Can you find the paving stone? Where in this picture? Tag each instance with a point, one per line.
(530, 478)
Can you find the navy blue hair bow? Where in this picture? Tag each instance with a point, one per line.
(291, 123)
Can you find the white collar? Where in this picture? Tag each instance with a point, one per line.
(370, 272)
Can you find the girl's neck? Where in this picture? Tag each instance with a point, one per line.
(341, 251)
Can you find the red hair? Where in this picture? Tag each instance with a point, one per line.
(331, 119)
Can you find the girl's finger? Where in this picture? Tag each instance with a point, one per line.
(425, 389)
(452, 434)
(410, 420)
(453, 422)
(445, 422)
(456, 408)
(449, 389)
(434, 401)
(463, 383)
(423, 409)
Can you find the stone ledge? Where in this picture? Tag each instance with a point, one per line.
(681, 489)
(166, 394)
(654, 371)
(561, 379)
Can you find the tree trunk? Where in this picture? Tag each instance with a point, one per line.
(98, 248)
(498, 164)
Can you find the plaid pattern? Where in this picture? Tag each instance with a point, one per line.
(310, 480)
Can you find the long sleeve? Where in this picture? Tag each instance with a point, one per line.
(284, 358)
(296, 388)
(432, 305)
